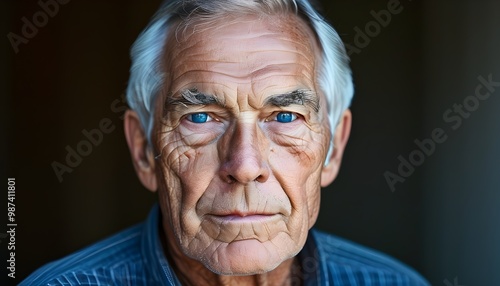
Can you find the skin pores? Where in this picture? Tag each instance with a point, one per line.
(243, 138)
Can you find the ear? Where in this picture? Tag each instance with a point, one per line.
(331, 170)
(142, 155)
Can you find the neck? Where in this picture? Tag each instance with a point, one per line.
(202, 276)
(192, 272)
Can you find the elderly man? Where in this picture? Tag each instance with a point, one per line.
(238, 118)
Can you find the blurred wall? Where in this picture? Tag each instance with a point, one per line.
(461, 182)
(68, 78)
(423, 58)
(386, 57)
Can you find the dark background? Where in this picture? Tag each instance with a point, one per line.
(444, 220)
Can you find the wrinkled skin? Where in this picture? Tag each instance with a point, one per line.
(239, 178)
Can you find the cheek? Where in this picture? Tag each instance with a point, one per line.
(298, 153)
(313, 197)
(186, 172)
(297, 160)
(187, 161)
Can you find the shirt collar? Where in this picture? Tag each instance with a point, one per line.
(313, 266)
(152, 251)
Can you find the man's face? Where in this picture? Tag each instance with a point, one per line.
(243, 141)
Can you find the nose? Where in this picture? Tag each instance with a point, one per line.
(244, 156)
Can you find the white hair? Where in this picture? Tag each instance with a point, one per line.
(147, 76)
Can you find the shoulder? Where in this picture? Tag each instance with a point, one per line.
(355, 263)
(100, 263)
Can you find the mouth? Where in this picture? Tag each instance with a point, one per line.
(243, 217)
(235, 226)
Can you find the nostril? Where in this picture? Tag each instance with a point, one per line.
(230, 179)
(260, 179)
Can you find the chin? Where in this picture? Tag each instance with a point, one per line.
(245, 257)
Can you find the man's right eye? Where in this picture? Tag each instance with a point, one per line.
(200, 117)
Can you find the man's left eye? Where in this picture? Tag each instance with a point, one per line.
(200, 117)
(286, 117)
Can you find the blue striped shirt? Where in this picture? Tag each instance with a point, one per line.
(135, 257)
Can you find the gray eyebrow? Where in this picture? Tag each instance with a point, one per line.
(300, 96)
(194, 97)
(303, 97)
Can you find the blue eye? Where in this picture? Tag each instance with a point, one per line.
(285, 117)
(201, 117)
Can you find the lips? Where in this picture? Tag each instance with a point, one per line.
(233, 226)
(242, 217)
(241, 213)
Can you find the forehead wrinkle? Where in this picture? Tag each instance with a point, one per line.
(212, 63)
(261, 71)
(265, 72)
(288, 27)
(298, 42)
(297, 58)
(273, 40)
(296, 35)
(277, 25)
(202, 50)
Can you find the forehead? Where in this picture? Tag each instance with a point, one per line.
(238, 50)
(242, 27)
